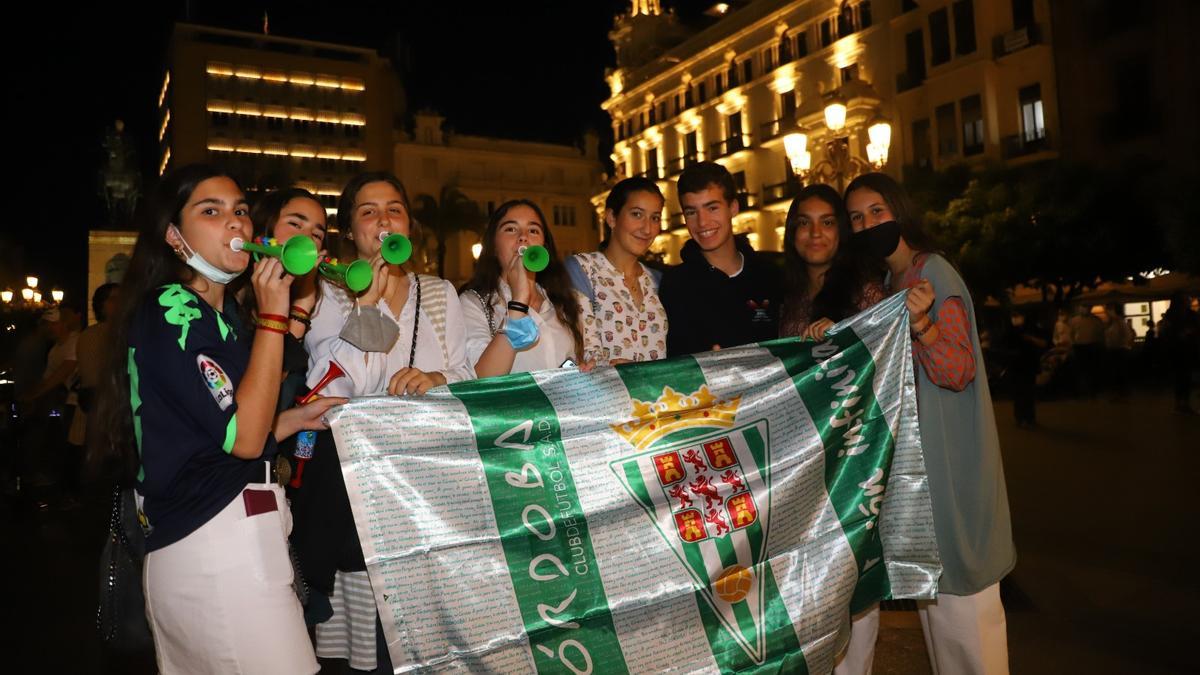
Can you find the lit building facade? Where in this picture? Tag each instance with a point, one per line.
(560, 179)
(789, 92)
(276, 111)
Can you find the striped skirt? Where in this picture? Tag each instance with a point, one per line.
(350, 634)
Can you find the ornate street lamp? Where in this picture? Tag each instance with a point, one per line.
(57, 294)
(31, 282)
(796, 147)
(835, 114)
(880, 133)
(6, 295)
(838, 166)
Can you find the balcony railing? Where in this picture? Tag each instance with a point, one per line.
(747, 201)
(730, 145)
(678, 164)
(779, 192)
(779, 127)
(653, 173)
(1023, 144)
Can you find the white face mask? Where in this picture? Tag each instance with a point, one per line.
(206, 269)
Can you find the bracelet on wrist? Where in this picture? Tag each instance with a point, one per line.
(920, 333)
(302, 320)
(518, 306)
(271, 327)
(273, 317)
(299, 312)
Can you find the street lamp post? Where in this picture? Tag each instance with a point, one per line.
(839, 165)
(30, 298)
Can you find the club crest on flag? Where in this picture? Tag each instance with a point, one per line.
(672, 411)
(707, 495)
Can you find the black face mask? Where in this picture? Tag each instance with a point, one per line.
(879, 241)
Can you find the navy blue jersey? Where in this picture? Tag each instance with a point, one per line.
(185, 364)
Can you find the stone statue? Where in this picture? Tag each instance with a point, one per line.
(120, 180)
(114, 269)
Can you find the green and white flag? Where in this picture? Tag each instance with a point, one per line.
(719, 513)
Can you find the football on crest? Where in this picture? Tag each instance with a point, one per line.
(733, 584)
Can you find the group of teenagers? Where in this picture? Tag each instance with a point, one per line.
(212, 350)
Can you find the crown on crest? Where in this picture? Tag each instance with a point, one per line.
(672, 411)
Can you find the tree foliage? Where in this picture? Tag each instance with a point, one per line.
(1054, 226)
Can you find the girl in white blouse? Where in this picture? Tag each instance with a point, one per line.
(516, 320)
(403, 334)
(400, 336)
(622, 318)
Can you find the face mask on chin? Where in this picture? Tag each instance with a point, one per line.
(209, 271)
(880, 241)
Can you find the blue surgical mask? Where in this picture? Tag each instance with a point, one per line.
(206, 269)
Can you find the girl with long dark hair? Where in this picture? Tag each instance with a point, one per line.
(517, 320)
(198, 407)
(965, 626)
(401, 336)
(826, 281)
(281, 215)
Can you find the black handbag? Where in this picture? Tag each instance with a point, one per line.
(121, 617)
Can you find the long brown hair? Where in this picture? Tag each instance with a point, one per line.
(154, 264)
(345, 214)
(842, 289)
(486, 280)
(901, 206)
(263, 216)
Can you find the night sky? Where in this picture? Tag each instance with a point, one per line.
(527, 70)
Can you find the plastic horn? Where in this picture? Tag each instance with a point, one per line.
(396, 248)
(335, 371)
(535, 258)
(307, 439)
(298, 254)
(356, 276)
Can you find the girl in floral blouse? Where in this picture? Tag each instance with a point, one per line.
(621, 315)
(826, 282)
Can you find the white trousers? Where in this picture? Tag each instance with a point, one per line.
(220, 600)
(964, 634)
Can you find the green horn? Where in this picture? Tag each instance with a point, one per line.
(535, 258)
(356, 276)
(396, 249)
(298, 254)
